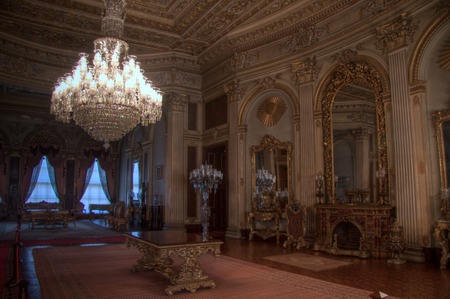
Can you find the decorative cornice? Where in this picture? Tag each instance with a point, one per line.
(304, 38)
(239, 61)
(173, 77)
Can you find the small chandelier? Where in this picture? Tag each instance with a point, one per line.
(107, 101)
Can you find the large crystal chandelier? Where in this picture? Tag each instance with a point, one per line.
(108, 98)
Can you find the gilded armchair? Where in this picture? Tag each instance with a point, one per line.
(295, 214)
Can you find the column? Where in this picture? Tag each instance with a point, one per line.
(393, 39)
(236, 197)
(304, 151)
(362, 159)
(175, 174)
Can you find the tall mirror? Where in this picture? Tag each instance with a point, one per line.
(355, 155)
(354, 143)
(441, 121)
(272, 157)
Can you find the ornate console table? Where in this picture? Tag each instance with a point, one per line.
(371, 220)
(264, 224)
(441, 234)
(157, 247)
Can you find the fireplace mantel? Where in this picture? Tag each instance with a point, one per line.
(372, 221)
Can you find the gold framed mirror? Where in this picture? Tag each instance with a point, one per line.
(441, 121)
(275, 157)
(354, 73)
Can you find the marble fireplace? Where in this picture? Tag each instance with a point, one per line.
(353, 229)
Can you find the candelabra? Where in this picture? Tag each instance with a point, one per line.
(319, 185)
(264, 180)
(381, 175)
(264, 184)
(445, 203)
(205, 179)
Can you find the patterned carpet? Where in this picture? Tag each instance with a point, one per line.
(306, 261)
(104, 272)
(84, 232)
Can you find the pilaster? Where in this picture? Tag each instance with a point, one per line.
(393, 40)
(233, 92)
(175, 176)
(304, 73)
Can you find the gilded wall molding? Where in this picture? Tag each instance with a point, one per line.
(305, 71)
(175, 102)
(444, 56)
(347, 73)
(270, 111)
(239, 61)
(233, 90)
(396, 34)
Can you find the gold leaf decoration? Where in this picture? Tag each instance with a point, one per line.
(444, 56)
(271, 110)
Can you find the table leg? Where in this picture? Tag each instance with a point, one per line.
(190, 277)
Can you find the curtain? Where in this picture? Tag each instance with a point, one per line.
(51, 174)
(81, 167)
(56, 172)
(104, 182)
(106, 162)
(3, 175)
(29, 164)
(34, 178)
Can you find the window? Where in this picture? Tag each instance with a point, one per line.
(136, 179)
(43, 190)
(94, 193)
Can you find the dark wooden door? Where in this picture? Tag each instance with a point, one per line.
(218, 202)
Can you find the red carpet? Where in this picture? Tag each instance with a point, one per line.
(4, 254)
(103, 272)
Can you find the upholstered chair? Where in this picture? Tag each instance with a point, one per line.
(295, 214)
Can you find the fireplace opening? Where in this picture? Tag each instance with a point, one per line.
(348, 236)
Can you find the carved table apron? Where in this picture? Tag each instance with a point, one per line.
(157, 247)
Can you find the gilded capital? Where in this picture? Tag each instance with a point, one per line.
(233, 90)
(175, 101)
(396, 34)
(304, 71)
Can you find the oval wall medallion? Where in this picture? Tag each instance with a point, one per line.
(271, 110)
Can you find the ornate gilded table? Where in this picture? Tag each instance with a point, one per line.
(441, 234)
(157, 247)
(265, 225)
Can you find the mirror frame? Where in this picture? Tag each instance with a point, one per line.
(348, 73)
(439, 118)
(271, 143)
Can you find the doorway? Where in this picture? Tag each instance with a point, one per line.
(218, 201)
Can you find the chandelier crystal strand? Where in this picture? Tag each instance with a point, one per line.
(111, 96)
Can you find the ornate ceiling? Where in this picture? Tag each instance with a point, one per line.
(40, 39)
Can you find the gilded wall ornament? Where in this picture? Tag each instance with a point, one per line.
(444, 56)
(271, 110)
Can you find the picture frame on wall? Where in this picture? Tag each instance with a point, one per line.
(159, 172)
